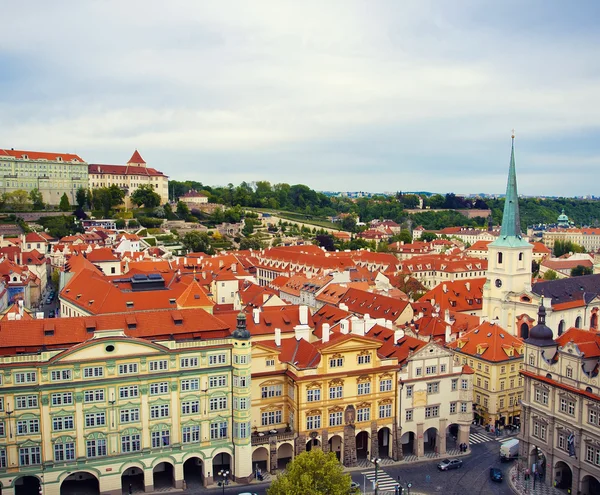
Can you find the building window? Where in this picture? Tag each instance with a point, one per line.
(93, 372)
(190, 407)
(218, 403)
(128, 369)
(569, 372)
(217, 381)
(159, 411)
(60, 375)
(60, 423)
(485, 402)
(442, 368)
(93, 395)
(271, 391)
(190, 434)
(502, 370)
(430, 370)
(501, 403)
(452, 407)
(419, 371)
(539, 430)
(313, 422)
(562, 442)
(463, 407)
(364, 388)
(313, 395)
(130, 443)
(364, 359)
(188, 362)
(486, 384)
(218, 430)
(64, 451)
(592, 455)
(593, 417)
(409, 390)
(130, 415)
(335, 418)
(385, 410)
(29, 456)
(128, 392)
(336, 362)
(160, 438)
(269, 362)
(541, 396)
(464, 384)
(432, 411)
(62, 399)
(159, 388)
(26, 377)
(26, 401)
(567, 407)
(364, 414)
(160, 365)
(531, 360)
(385, 385)
(501, 384)
(454, 384)
(2, 458)
(28, 426)
(433, 388)
(336, 392)
(96, 448)
(270, 418)
(217, 359)
(95, 419)
(409, 415)
(190, 384)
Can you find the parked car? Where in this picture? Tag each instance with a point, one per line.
(51, 314)
(495, 474)
(354, 487)
(448, 464)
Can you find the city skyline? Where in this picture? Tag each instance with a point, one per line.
(346, 97)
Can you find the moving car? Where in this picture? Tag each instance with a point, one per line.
(448, 464)
(495, 474)
(354, 487)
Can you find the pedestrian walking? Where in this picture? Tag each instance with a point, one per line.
(130, 489)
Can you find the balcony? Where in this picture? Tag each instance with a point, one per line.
(263, 437)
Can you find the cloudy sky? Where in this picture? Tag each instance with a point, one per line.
(348, 95)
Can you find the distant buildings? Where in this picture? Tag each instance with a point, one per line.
(53, 174)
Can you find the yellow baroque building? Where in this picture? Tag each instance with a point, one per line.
(97, 405)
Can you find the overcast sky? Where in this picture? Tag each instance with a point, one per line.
(373, 95)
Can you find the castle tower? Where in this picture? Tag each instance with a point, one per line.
(509, 260)
(242, 448)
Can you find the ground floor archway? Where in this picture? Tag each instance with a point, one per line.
(163, 475)
(407, 440)
(260, 460)
(27, 485)
(430, 440)
(452, 436)
(313, 443)
(384, 441)
(335, 445)
(285, 454)
(193, 472)
(222, 463)
(590, 485)
(537, 458)
(133, 477)
(563, 476)
(80, 482)
(362, 445)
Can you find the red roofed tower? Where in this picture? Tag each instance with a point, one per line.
(136, 159)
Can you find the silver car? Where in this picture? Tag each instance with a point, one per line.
(448, 464)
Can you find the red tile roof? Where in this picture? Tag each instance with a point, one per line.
(136, 158)
(102, 169)
(587, 341)
(489, 342)
(375, 305)
(458, 295)
(42, 155)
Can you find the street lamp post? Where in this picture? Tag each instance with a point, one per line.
(224, 482)
(376, 461)
(9, 414)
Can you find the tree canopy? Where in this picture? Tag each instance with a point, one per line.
(107, 198)
(145, 195)
(197, 242)
(64, 204)
(580, 270)
(312, 473)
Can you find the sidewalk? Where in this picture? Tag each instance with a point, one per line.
(518, 485)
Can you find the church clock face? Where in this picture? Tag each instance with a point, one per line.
(498, 283)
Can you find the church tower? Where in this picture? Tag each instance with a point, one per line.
(509, 260)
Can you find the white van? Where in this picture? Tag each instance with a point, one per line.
(509, 450)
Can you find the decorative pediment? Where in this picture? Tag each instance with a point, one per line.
(591, 441)
(336, 409)
(385, 376)
(363, 378)
(541, 385)
(313, 385)
(274, 407)
(363, 405)
(314, 412)
(271, 382)
(109, 348)
(386, 401)
(539, 419)
(337, 381)
(566, 395)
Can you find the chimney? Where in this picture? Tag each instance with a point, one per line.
(256, 315)
(233, 268)
(448, 333)
(445, 288)
(357, 326)
(278, 337)
(468, 286)
(447, 316)
(325, 332)
(388, 324)
(344, 326)
(398, 334)
(221, 263)
(343, 307)
(303, 314)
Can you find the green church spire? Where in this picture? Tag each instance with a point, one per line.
(510, 233)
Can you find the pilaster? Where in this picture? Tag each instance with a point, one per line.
(273, 454)
(325, 441)
(374, 440)
(441, 436)
(350, 446)
(419, 438)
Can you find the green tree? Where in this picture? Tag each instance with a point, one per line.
(565, 247)
(437, 201)
(312, 473)
(182, 210)
(580, 270)
(64, 204)
(107, 198)
(349, 223)
(550, 275)
(250, 243)
(145, 195)
(17, 200)
(428, 237)
(197, 242)
(37, 199)
(82, 197)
